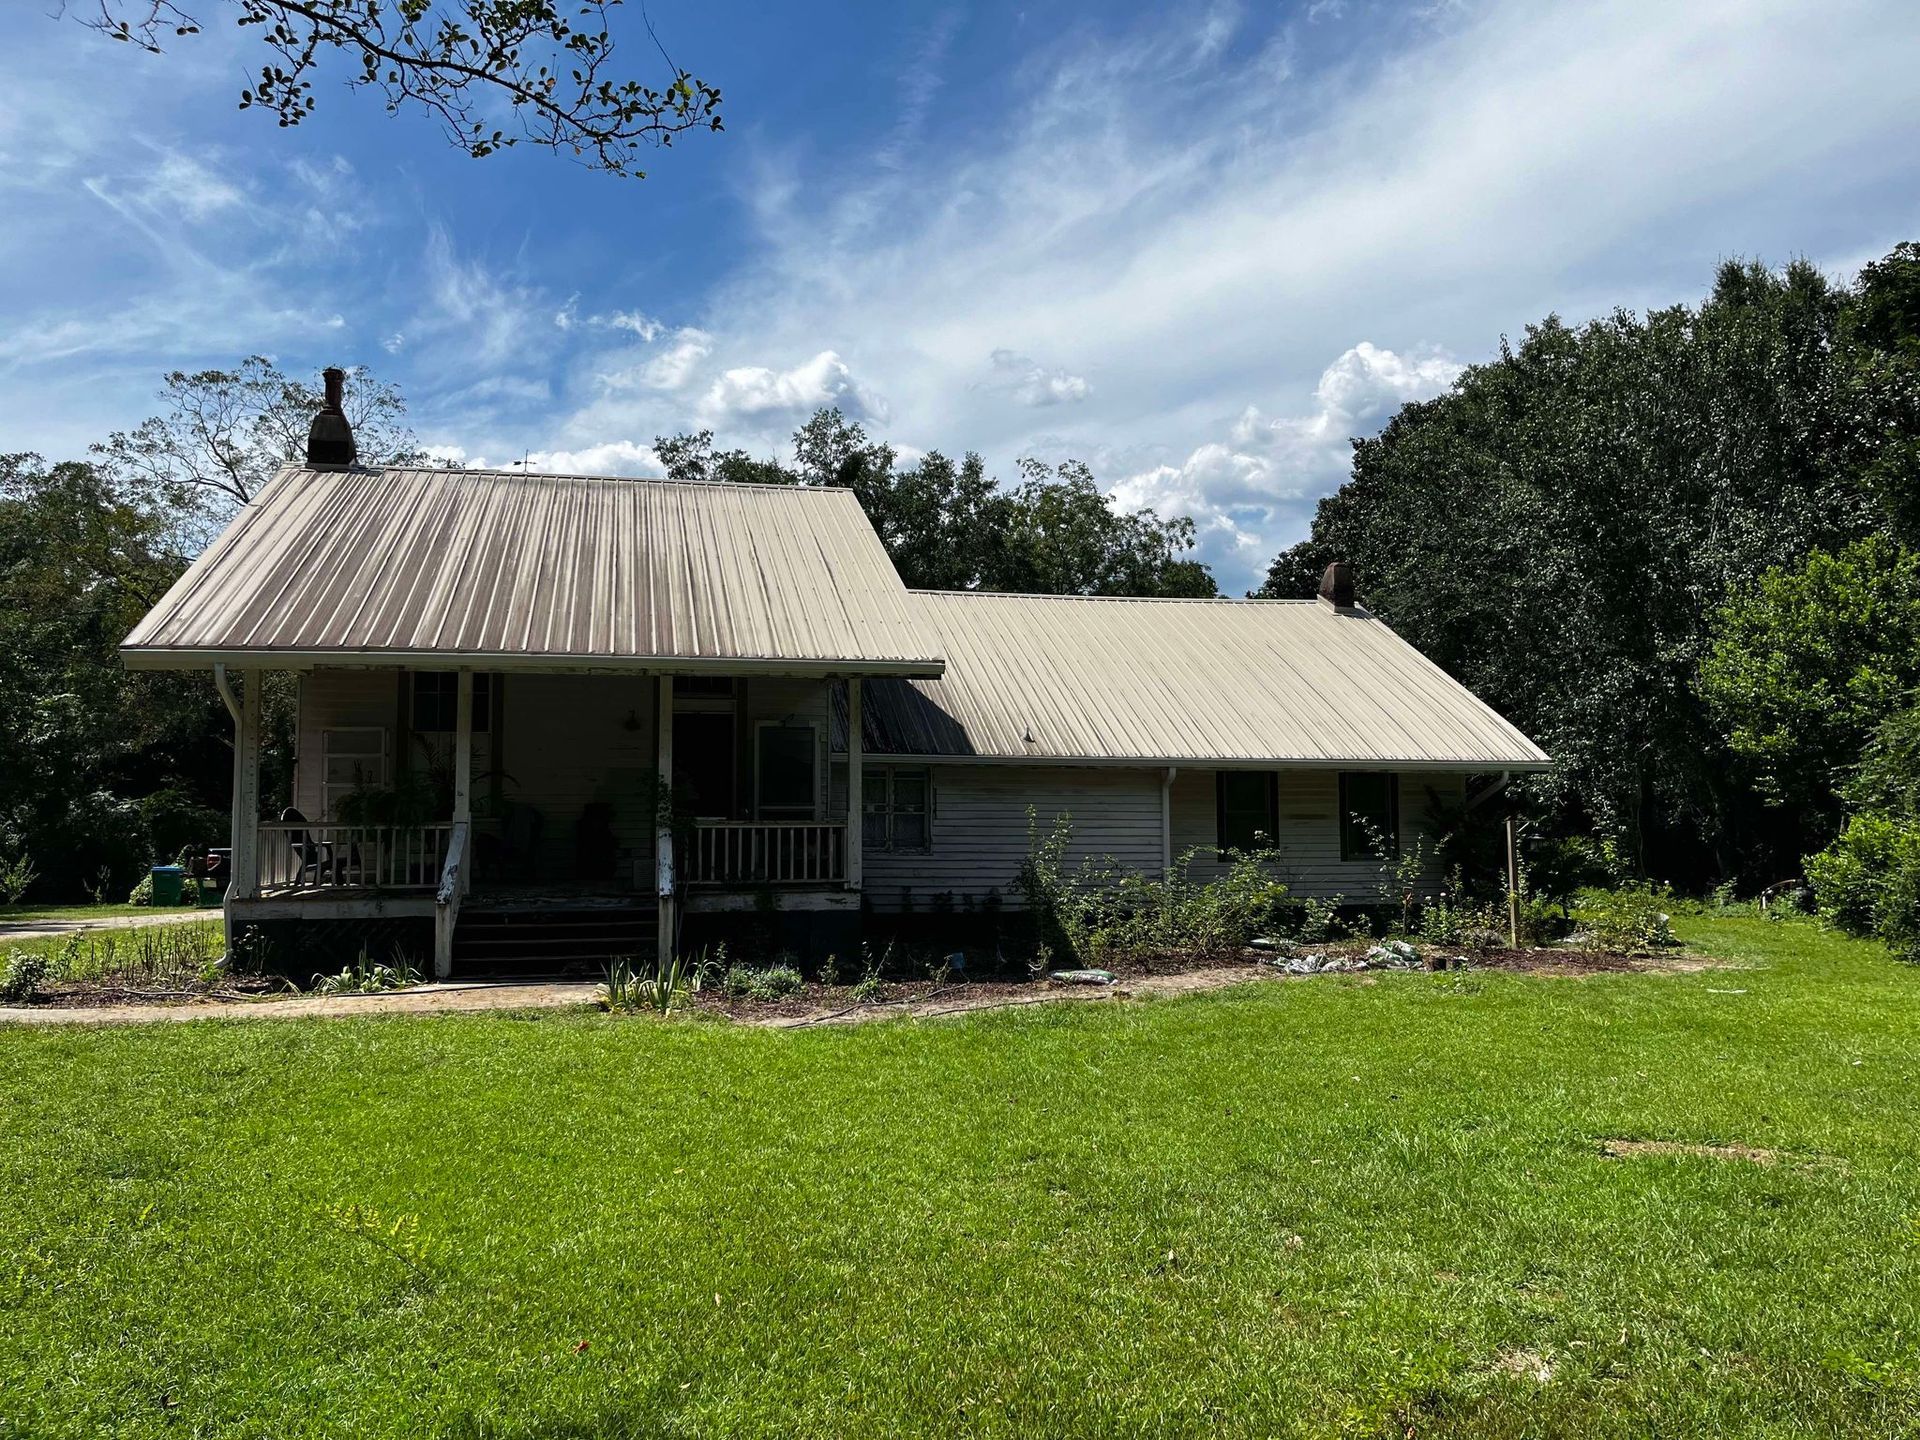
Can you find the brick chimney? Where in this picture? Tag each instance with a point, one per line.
(330, 437)
(1336, 585)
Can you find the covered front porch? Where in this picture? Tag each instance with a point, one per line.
(514, 799)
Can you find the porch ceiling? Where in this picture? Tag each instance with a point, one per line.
(510, 570)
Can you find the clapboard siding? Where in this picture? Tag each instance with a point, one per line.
(980, 830)
(569, 741)
(338, 700)
(1309, 833)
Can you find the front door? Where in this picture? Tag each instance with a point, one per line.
(703, 763)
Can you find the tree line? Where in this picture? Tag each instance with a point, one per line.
(1678, 550)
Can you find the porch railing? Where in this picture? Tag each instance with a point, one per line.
(766, 852)
(304, 855)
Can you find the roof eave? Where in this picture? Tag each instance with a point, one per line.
(1450, 765)
(165, 657)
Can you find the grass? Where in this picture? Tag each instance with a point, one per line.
(1370, 1206)
(14, 914)
(133, 955)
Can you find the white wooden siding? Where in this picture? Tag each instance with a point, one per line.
(980, 830)
(1309, 835)
(337, 700)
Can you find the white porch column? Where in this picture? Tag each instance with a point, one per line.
(242, 882)
(856, 806)
(1513, 878)
(463, 750)
(245, 883)
(663, 858)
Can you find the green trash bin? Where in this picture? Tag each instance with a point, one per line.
(166, 884)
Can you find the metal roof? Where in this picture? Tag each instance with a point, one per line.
(1072, 678)
(506, 570)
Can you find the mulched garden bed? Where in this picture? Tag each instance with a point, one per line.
(822, 1002)
(86, 994)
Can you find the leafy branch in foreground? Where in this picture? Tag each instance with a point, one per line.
(471, 64)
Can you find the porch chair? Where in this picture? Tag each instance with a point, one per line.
(309, 854)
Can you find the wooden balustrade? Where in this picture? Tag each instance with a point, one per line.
(313, 855)
(766, 852)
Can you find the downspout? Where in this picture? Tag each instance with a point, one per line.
(1166, 820)
(1513, 870)
(226, 692)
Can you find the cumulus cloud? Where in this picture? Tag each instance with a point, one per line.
(612, 457)
(1242, 487)
(1030, 383)
(756, 393)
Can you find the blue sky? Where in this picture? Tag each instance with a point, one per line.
(1198, 246)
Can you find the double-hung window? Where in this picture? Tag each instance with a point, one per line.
(895, 809)
(1248, 807)
(1369, 815)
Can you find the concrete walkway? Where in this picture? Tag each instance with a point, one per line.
(40, 929)
(456, 997)
(436, 999)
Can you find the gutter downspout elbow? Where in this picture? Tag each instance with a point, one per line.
(225, 687)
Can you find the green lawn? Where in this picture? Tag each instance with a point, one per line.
(1069, 1220)
(19, 913)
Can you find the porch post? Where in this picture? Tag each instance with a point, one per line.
(245, 883)
(463, 750)
(1513, 879)
(243, 830)
(856, 806)
(664, 878)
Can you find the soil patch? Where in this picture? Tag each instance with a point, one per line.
(1631, 1149)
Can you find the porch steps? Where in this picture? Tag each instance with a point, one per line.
(527, 943)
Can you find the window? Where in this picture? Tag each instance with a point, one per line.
(436, 701)
(703, 688)
(1369, 816)
(894, 809)
(1249, 809)
(350, 760)
(786, 757)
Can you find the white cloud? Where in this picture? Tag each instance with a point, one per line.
(674, 366)
(1240, 488)
(756, 394)
(1468, 170)
(612, 457)
(1030, 383)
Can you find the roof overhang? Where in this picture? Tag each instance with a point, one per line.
(160, 657)
(1213, 762)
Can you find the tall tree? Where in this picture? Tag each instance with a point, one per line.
(224, 433)
(950, 526)
(97, 767)
(1561, 529)
(492, 73)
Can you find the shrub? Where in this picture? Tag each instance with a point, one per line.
(366, 976)
(1850, 875)
(16, 875)
(1631, 917)
(1867, 882)
(869, 988)
(142, 894)
(23, 973)
(660, 987)
(767, 984)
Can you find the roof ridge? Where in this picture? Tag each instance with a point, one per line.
(518, 474)
(1126, 599)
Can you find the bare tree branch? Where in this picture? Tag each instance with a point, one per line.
(461, 61)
